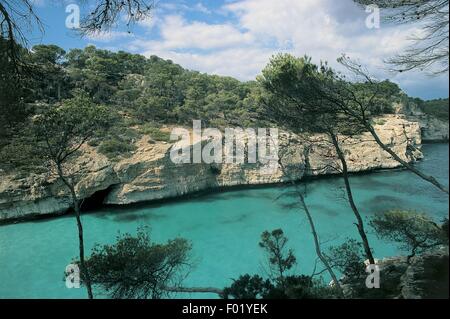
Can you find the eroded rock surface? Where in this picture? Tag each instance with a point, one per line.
(425, 276)
(149, 174)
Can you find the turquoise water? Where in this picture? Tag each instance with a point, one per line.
(224, 228)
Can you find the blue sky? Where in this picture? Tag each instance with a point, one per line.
(237, 38)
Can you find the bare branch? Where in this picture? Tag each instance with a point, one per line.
(430, 48)
(108, 12)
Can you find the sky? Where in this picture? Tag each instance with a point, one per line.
(237, 37)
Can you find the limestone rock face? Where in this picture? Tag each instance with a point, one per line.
(427, 276)
(149, 174)
(424, 277)
(26, 196)
(432, 128)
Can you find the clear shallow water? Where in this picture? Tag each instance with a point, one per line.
(224, 228)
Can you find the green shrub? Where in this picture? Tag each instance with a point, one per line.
(437, 108)
(379, 121)
(248, 287)
(19, 154)
(94, 142)
(155, 133)
(115, 147)
(293, 287)
(411, 231)
(134, 267)
(131, 121)
(348, 258)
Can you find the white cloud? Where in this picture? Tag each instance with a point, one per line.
(108, 36)
(178, 34)
(201, 8)
(229, 62)
(148, 23)
(257, 29)
(198, 7)
(319, 28)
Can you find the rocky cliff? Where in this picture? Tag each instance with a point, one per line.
(425, 276)
(432, 128)
(149, 174)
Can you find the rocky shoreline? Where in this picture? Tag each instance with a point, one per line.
(149, 175)
(424, 276)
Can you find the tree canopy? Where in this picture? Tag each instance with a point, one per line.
(18, 17)
(412, 231)
(144, 93)
(136, 268)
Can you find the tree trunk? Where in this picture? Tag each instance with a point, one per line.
(76, 208)
(360, 223)
(317, 246)
(386, 148)
(413, 254)
(314, 233)
(84, 268)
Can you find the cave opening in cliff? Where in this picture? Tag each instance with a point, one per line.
(96, 200)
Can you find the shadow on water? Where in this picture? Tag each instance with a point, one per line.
(249, 193)
(379, 181)
(382, 203)
(239, 219)
(288, 202)
(129, 217)
(324, 210)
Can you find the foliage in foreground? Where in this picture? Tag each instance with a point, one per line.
(294, 287)
(411, 231)
(348, 258)
(281, 284)
(135, 267)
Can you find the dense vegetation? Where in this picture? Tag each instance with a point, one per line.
(143, 89)
(437, 108)
(141, 95)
